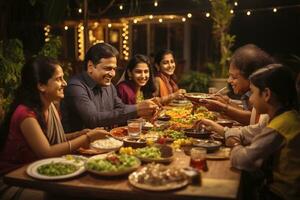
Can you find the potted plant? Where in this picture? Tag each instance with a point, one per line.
(194, 81)
(222, 19)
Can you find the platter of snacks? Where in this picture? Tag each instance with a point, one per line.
(112, 164)
(157, 177)
(55, 168)
(119, 132)
(106, 145)
(209, 145)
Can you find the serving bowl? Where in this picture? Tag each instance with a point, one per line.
(201, 134)
(134, 142)
(209, 145)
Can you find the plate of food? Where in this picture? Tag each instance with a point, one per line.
(158, 154)
(119, 132)
(209, 145)
(179, 102)
(106, 145)
(196, 96)
(112, 164)
(55, 169)
(157, 177)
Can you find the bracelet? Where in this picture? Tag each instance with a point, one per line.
(70, 146)
(88, 137)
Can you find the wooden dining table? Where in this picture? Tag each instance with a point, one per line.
(219, 182)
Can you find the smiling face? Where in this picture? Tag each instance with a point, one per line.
(167, 64)
(104, 71)
(239, 83)
(140, 74)
(54, 89)
(259, 99)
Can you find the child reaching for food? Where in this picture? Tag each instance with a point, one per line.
(275, 143)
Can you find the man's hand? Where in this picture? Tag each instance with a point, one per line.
(146, 109)
(232, 141)
(209, 125)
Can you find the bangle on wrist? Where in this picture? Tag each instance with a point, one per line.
(70, 146)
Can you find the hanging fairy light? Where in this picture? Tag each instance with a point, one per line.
(189, 15)
(235, 3)
(274, 10)
(79, 10)
(150, 16)
(248, 13)
(47, 33)
(183, 19)
(80, 32)
(231, 11)
(121, 7)
(207, 14)
(66, 28)
(109, 25)
(155, 3)
(135, 21)
(125, 41)
(160, 20)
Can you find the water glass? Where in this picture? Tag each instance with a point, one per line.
(134, 127)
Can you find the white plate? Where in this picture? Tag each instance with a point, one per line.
(32, 169)
(111, 173)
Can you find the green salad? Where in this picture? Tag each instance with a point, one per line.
(148, 152)
(113, 163)
(57, 169)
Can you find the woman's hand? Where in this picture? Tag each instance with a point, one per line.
(97, 134)
(209, 125)
(179, 94)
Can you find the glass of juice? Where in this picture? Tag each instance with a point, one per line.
(198, 158)
(134, 127)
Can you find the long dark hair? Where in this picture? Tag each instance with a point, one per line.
(159, 57)
(281, 81)
(36, 70)
(149, 88)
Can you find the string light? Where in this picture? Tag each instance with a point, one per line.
(47, 33)
(235, 3)
(155, 3)
(183, 19)
(207, 14)
(231, 11)
(125, 41)
(80, 10)
(160, 20)
(109, 25)
(80, 31)
(189, 15)
(135, 21)
(248, 13)
(274, 10)
(150, 16)
(66, 28)
(121, 7)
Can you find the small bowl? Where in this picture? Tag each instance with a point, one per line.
(226, 122)
(134, 142)
(209, 145)
(190, 132)
(164, 118)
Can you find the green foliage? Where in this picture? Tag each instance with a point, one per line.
(224, 41)
(52, 48)
(11, 62)
(194, 81)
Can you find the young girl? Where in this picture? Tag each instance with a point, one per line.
(139, 82)
(273, 93)
(165, 78)
(32, 128)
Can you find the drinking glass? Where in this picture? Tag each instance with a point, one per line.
(134, 127)
(198, 158)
